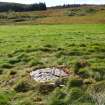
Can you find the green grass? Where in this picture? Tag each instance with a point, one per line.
(45, 43)
(34, 46)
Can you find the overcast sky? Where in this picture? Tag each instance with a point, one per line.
(58, 2)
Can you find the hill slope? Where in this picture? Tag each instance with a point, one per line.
(7, 3)
(5, 7)
(83, 14)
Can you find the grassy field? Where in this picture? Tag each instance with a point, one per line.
(83, 14)
(80, 47)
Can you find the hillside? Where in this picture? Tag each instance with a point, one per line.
(7, 3)
(6, 6)
(83, 14)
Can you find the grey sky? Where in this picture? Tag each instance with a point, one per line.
(58, 2)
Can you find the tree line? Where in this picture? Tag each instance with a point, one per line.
(4, 7)
(67, 6)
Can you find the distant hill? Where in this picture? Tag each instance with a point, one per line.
(9, 3)
(5, 6)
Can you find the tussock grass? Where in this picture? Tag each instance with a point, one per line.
(24, 48)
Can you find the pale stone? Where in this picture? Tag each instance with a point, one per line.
(47, 74)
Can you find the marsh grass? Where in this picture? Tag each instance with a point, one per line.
(24, 48)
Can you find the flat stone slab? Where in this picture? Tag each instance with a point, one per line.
(48, 74)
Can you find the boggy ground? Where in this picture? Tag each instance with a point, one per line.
(80, 47)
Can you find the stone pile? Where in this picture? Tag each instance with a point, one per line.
(48, 74)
